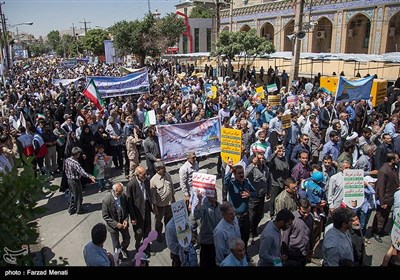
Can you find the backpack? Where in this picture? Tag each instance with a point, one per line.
(313, 192)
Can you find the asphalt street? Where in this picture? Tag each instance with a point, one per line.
(64, 235)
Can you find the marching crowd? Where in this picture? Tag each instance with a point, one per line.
(299, 169)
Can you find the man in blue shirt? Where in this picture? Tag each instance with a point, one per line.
(93, 253)
(240, 189)
(237, 257)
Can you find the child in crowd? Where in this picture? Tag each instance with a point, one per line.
(99, 167)
(314, 192)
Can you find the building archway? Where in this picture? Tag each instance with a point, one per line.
(358, 34)
(288, 44)
(322, 36)
(226, 28)
(245, 28)
(267, 31)
(393, 39)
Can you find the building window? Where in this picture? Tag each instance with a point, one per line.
(185, 44)
(208, 39)
(196, 40)
(367, 34)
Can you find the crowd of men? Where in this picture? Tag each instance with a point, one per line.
(299, 169)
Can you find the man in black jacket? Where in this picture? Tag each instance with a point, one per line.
(115, 214)
(140, 205)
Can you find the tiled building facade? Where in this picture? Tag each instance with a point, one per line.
(342, 26)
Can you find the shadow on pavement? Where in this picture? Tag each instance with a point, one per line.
(55, 204)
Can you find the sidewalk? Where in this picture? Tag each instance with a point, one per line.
(64, 235)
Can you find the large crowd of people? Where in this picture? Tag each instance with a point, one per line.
(298, 169)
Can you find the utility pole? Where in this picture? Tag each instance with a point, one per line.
(231, 15)
(148, 6)
(298, 22)
(85, 24)
(5, 37)
(75, 38)
(73, 31)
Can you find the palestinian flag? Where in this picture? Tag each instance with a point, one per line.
(93, 95)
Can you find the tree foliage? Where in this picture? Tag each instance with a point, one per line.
(201, 10)
(94, 41)
(171, 27)
(54, 39)
(148, 37)
(248, 43)
(38, 49)
(20, 192)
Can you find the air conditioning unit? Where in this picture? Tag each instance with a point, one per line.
(350, 33)
(392, 31)
(321, 34)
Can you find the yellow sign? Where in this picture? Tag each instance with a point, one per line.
(274, 100)
(286, 120)
(260, 92)
(214, 92)
(378, 91)
(330, 83)
(231, 145)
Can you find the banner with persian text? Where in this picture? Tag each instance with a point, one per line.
(176, 140)
(135, 83)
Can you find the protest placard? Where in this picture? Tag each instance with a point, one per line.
(205, 183)
(353, 193)
(286, 119)
(231, 144)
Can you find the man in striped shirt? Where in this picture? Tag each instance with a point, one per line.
(74, 171)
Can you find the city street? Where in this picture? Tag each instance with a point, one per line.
(64, 235)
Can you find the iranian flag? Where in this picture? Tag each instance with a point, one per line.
(93, 95)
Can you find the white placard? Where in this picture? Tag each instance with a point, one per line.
(353, 195)
(395, 233)
(205, 183)
(182, 227)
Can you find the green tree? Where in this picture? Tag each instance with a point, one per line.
(201, 10)
(148, 37)
(38, 49)
(247, 44)
(54, 39)
(171, 27)
(20, 192)
(94, 41)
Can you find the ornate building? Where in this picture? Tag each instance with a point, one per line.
(333, 26)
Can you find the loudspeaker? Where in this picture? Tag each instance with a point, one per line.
(300, 35)
(291, 36)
